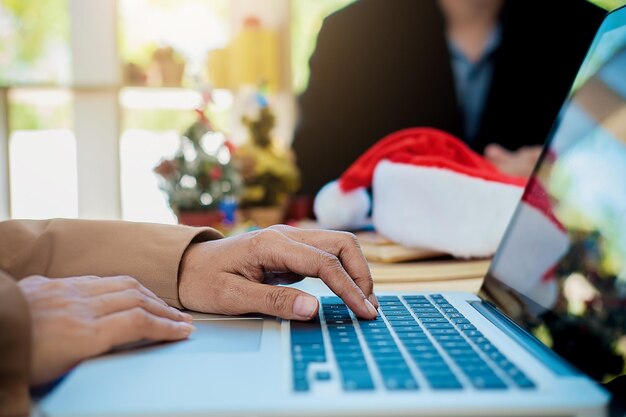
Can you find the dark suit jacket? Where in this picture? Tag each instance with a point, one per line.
(383, 65)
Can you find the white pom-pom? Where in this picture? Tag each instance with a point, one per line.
(336, 209)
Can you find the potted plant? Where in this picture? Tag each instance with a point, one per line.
(201, 183)
(269, 171)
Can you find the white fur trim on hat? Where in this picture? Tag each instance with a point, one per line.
(336, 209)
(440, 209)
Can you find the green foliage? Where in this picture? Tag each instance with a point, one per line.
(609, 4)
(306, 20)
(33, 28)
(38, 21)
(27, 117)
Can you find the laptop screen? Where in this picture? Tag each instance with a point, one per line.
(560, 270)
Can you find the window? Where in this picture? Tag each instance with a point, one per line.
(42, 154)
(94, 94)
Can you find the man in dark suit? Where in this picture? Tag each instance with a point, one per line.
(492, 72)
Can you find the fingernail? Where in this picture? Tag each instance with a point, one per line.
(187, 328)
(371, 308)
(374, 300)
(304, 307)
(187, 317)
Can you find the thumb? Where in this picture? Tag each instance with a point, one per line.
(284, 302)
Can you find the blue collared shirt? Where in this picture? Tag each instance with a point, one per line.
(472, 81)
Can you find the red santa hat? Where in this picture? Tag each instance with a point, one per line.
(429, 191)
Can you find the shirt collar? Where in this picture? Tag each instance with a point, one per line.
(492, 43)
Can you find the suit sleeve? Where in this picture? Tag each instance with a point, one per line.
(15, 339)
(150, 253)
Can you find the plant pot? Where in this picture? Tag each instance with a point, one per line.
(211, 218)
(263, 216)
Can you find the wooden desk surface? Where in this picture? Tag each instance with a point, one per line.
(428, 276)
(467, 285)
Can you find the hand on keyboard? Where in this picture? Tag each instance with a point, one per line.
(230, 276)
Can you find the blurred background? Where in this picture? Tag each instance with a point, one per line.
(94, 94)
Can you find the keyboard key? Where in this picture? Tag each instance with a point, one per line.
(401, 381)
(372, 324)
(352, 365)
(390, 303)
(434, 320)
(447, 337)
(400, 317)
(386, 366)
(438, 326)
(393, 308)
(523, 382)
(429, 315)
(403, 323)
(487, 381)
(423, 357)
(336, 322)
(322, 375)
(435, 366)
(403, 312)
(447, 384)
(384, 298)
(301, 385)
(425, 347)
(443, 331)
(463, 351)
(377, 337)
(381, 343)
(377, 319)
(357, 381)
(424, 310)
(375, 331)
(473, 334)
(407, 329)
(419, 336)
(452, 344)
(414, 297)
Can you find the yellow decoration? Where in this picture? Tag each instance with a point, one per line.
(269, 172)
(252, 58)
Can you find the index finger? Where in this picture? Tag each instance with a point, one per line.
(106, 285)
(276, 250)
(344, 246)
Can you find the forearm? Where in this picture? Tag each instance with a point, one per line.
(62, 248)
(15, 341)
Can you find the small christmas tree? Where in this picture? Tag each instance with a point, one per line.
(200, 176)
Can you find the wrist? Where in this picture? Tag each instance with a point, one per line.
(185, 274)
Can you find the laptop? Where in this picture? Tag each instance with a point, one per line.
(546, 330)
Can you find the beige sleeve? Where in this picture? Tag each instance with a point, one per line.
(15, 339)
(62, 248)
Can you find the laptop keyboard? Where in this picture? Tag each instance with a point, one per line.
(413, 336)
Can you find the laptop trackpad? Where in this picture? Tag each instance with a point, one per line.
(227, 335)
